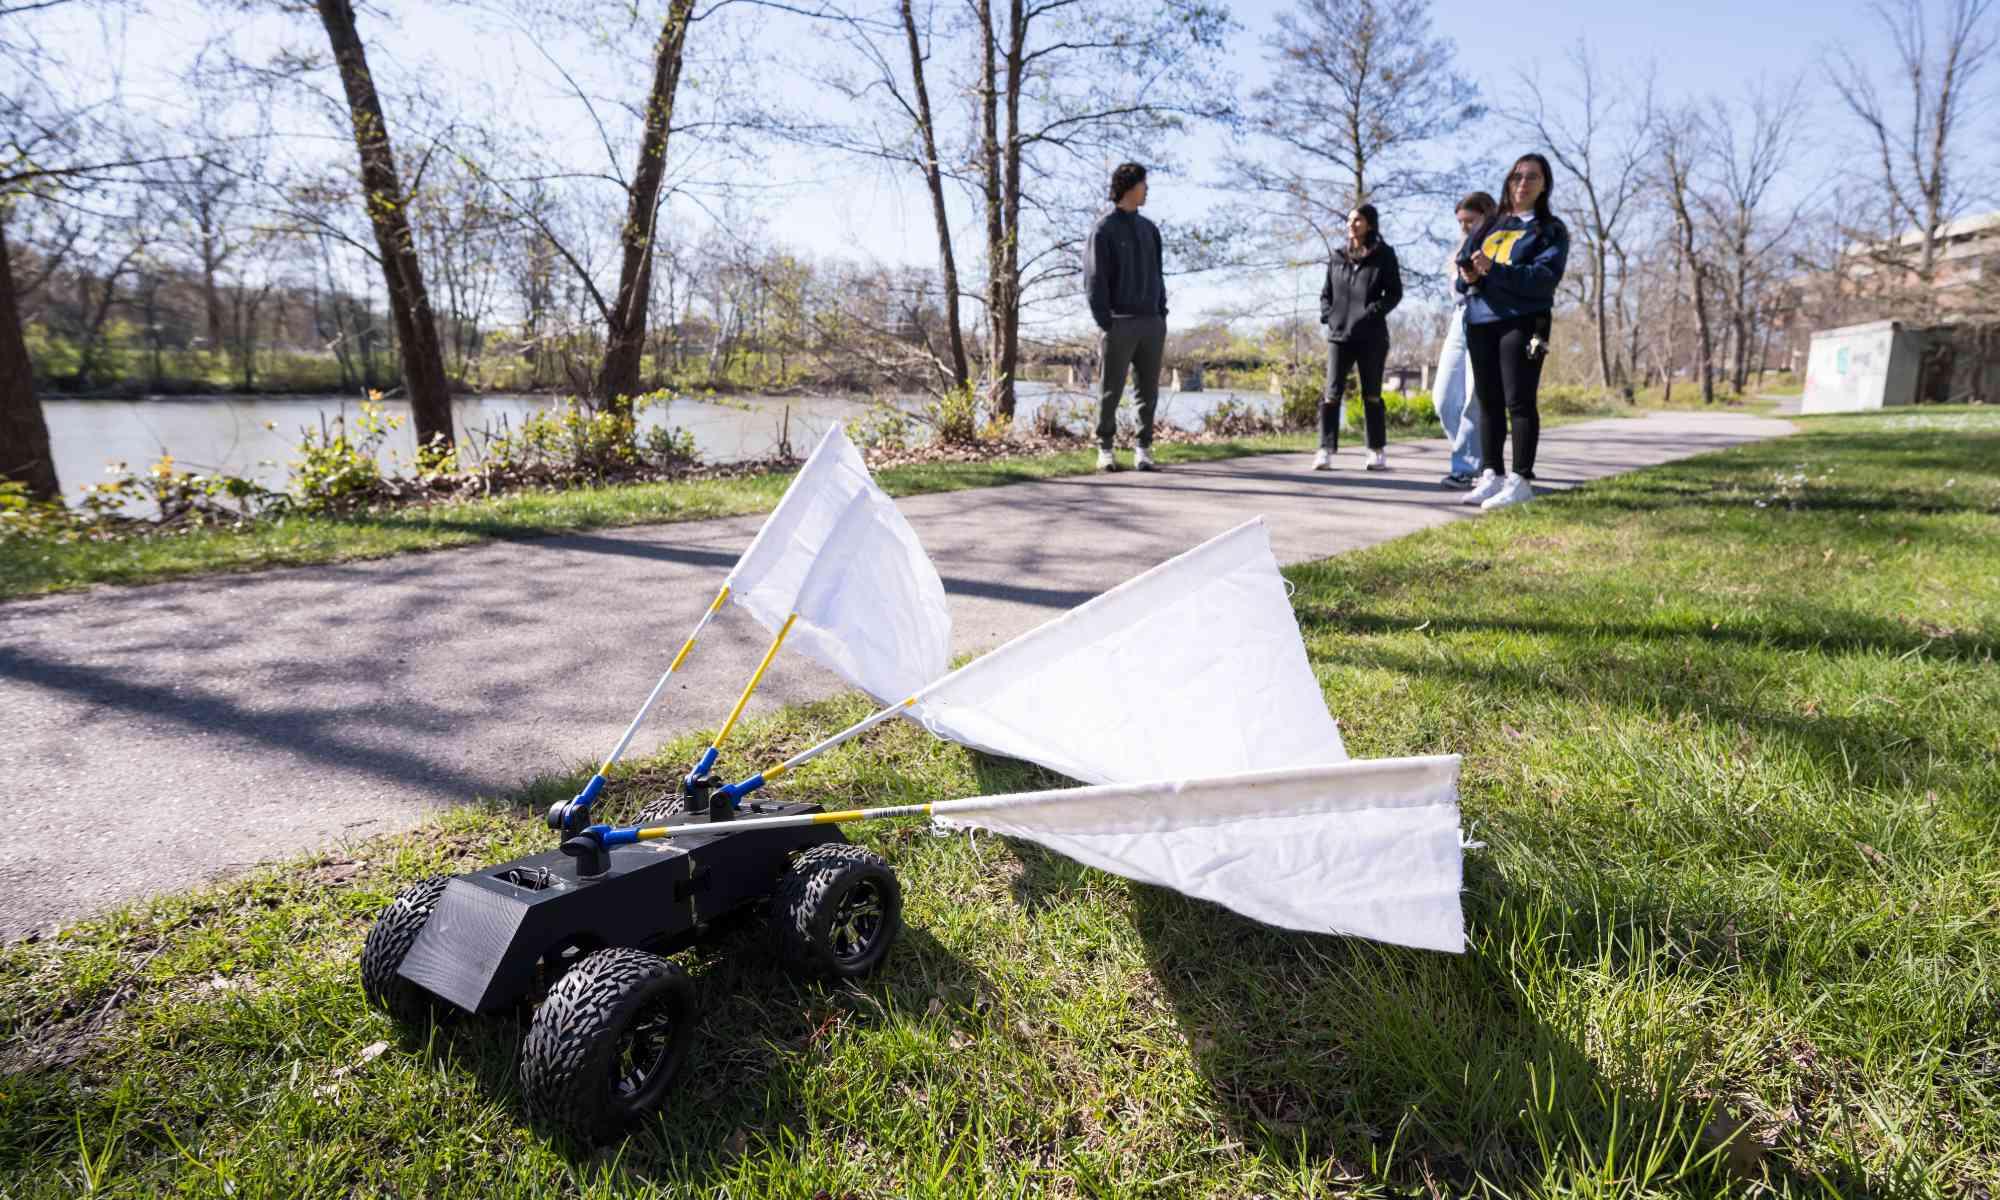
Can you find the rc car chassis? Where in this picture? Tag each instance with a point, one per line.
(590, 924)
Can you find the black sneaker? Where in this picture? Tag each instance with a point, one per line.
(1458, 483)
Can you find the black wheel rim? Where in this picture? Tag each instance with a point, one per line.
(646, 1049)
(858, 921)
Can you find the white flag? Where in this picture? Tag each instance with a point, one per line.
(872, 608)
(878, 617)
(1369, 848)
(1194, 668)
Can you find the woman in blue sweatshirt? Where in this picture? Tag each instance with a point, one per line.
(1508, 272)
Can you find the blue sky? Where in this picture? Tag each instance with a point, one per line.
(838, 208)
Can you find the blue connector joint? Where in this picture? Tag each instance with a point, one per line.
(616, 837)
(590, 791)
(735, 792)
(705, 764)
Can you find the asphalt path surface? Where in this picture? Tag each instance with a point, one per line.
(155, 737)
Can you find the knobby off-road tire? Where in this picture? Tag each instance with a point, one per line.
(662, 810)
(389, 941)
(836, 912)
(607, 1043)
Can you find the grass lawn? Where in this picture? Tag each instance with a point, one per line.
(1732, 741)
(33, 566)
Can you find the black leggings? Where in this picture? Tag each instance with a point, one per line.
(1509, 385)
(1366, 357)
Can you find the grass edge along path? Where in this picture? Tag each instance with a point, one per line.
(1732, 740)
(30, 567)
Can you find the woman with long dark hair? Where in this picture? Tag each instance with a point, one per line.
(1363, 285)
(1452, 395)
(1508, 271)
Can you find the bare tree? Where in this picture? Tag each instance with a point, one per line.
(1919, 147)
(1078, 83)
(926, 127)
(1680, 142)
(1600, 139)
(388, 212)
(50, 146)
(1360, 91)
(625, 333)
(1753, 143)
(894, 123)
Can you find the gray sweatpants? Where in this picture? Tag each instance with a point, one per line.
(1136, 344)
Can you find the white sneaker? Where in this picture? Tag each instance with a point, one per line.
(1143, 459)
(1515, 491)
(1323, 461)
(1485, 489)
(1106, 461)
(1377, 460)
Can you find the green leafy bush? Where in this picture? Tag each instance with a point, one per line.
(954, 415)
(882, 427)
(337, 468)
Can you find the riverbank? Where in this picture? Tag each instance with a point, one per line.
(38, 565)
(1729, 729)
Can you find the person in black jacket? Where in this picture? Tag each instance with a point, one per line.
(1363, 286)
(1124, 278)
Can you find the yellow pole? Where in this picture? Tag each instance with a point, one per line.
(754, 681)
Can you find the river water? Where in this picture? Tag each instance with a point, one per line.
(257, 436)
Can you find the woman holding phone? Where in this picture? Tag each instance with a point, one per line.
(1508, 272)
(1452, 393)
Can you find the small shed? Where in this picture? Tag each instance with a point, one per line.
(1862, 367)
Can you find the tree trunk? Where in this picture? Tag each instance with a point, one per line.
(1597, 282)
(24, 436)
(1000, 389)
(409, 304)
(1673, 330)
(1010, 314)
(1705, 333)
(1740, 367)
(211, 298)
(625, 331)
(961, 370)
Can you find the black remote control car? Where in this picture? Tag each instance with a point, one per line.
(592, 924)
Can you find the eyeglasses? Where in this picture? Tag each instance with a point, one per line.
(1524, 176)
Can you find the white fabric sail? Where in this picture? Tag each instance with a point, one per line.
(872, 608)
(1194, 668)
(1369, 848)
(837, 544)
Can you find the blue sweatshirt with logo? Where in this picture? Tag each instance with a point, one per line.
(1528, 260)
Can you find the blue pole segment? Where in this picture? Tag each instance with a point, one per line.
(705, 764)
(736, 791)
(590, 791)
(617, 837)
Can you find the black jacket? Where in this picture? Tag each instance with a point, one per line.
(1122, 268)
(1360, 293)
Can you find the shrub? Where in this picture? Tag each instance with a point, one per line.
(1232, 417)
(954, 415)
(882, 427)
(337, 469)
(1300, 386)
(1064, 417)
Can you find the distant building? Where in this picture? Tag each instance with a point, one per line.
(1966, 272)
